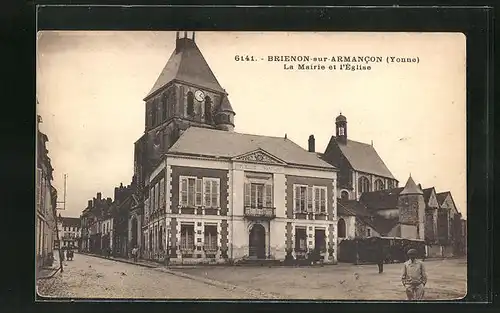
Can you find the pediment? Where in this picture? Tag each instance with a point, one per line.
(259, 156)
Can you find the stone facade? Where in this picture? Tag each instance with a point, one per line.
(234, 226)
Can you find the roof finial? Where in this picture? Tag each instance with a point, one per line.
(410, 174)
(285, 136)
(372, 142)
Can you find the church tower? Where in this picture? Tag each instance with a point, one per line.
(186, 93)
(341, 129)
(411, 207)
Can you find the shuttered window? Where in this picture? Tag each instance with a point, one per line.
(162, 193)
(191, 192)
(211, 192)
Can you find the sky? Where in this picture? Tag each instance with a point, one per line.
(91, 85)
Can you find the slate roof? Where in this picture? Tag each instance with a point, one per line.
(352, 208)
(427, 194)
(225, 105)
(411, 188)
(363, 157)
(216, 143)
(71, 222)
(355, 208)
(441, 197)
(384, 225)
(382, 199)
(187, 64)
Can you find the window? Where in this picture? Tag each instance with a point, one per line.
(320, 199)
(310, 199)
(341, 231)
(211, 192)
(258, 195)
(368, 232)
(300, 196)
(150, 239)
(341, 131)
(210, 237)
(157, 198)
(208, 109)
(364, 184)
(379, 184)
(164, 106)
(162, 193)
(300, 239)
(152, 199)
(190, 191)
(190, 103)
(38, 188)
(390, 184)
(155, 112)
(344, 195)
(187, 237)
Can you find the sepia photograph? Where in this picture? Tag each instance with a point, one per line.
(251, 165)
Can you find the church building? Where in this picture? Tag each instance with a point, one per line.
(211, 194)
(361, 169)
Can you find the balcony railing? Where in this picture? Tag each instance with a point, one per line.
(260, 212)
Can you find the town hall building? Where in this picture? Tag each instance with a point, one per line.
(212, 194)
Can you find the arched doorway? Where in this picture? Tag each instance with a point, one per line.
(341, 231)
(133, 236)
(257, 242)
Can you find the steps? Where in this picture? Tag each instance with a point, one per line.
(259, 262)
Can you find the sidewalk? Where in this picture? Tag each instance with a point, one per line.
(48, 271)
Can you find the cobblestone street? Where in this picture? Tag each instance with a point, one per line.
(94, 277)
(447, 280)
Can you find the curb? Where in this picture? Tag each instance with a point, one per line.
(122, 260)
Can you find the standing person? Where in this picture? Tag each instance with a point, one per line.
(381, 256)
(414, 277)
(134, 254)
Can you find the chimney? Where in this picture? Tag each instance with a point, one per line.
(312, 144)
(420, 186)
(99, 195)
(89, 203)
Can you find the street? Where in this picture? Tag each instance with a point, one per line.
(446, 280)
(93, 277)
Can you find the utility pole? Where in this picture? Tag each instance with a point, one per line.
(61, 253)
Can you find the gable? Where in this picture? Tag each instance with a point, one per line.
(433, 202)
(259, 156)
(362, 157)
(448, 203)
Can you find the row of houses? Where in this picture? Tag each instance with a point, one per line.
(46, 202)
(202, 192)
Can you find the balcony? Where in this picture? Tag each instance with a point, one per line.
(263, 212)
